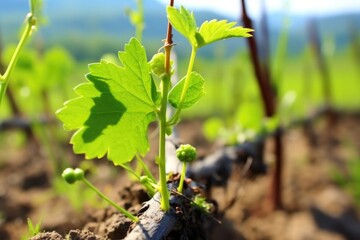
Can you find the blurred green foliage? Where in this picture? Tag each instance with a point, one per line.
(39, 74)
(233, 97)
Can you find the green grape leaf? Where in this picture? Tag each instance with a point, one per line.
(114, 108)
(214, 30)
(210, 31)
(184, 22)
(193, 94)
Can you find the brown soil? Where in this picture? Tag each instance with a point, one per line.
(314, 206)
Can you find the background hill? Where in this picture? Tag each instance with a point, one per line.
(90, 28)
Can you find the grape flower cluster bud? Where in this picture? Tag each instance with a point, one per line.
(186, 153)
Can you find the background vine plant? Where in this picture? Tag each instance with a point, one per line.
(115, 106)
(30, 26)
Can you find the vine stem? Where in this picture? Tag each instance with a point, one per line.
(262, 78)
(4, 79)
(162, 152)
(174, 120)
(165, 85)
(268, 98)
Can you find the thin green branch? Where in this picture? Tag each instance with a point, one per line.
(182, 177)
(4, 79)
(130, 170)
(176, 117)
(146, 181)
(145, 168)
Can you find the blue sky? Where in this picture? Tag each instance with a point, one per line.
(314, 7)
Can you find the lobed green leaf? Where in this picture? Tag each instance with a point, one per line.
(114, 108)
(184, 22)
(214, 30)
(210, 31)
(193, 94)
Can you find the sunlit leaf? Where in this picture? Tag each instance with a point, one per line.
(184, 22)
(214, 30)
(193, 94)
(210, 31)
(114, 108)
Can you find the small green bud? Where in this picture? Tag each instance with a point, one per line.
(69, 175)
(72, 175)
(79, 174)
(186, 153)
(157, 64)
(144, 179)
